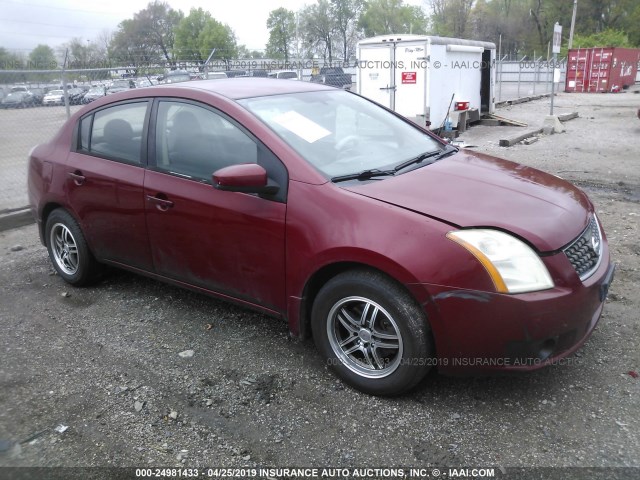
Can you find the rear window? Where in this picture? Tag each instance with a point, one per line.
(114, 132)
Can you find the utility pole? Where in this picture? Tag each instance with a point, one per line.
(573, 23)
(64, 83)
(557, 40)
(206, 65)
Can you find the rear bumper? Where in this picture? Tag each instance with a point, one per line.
(484, 332)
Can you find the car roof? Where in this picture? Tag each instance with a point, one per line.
(237, 88)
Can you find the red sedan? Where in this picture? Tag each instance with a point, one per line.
(397, 252)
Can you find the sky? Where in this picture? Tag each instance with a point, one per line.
(27, 23)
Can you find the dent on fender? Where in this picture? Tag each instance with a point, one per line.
(465, 295)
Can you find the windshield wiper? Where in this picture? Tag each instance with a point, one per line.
(364, 175)
(436, 155)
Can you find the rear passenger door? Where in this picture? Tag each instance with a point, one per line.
(226, 242)
(105, 171)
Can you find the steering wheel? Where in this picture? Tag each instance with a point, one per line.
(348, 143)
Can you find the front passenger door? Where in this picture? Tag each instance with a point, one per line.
(227, 242)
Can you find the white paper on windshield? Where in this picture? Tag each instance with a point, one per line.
(300, 125)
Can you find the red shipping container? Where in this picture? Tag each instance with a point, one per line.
(601, 69)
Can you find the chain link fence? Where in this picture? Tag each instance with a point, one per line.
(35, 103)
(527, 78)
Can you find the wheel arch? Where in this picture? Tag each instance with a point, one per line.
(325, 273)
(44, 216)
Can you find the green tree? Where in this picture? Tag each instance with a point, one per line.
(131, 47)
(157, 23)
(42, 58)
(605, 38)
(199, 33)
(282, 33)
(318, 28)
(631, 25)
(9, 60)
(381, 17)
(345, 14)
(147, 38)
(451, 17)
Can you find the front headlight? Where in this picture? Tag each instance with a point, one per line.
(512, 265)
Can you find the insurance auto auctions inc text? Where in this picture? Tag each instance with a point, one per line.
(278, 473)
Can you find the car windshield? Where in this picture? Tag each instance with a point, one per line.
(340, 133)
(56, 92)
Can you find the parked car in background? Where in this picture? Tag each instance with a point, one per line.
(18, 100)
(216, 75)
(19, 88)
(75, 95)
(111, 90)
(258, 72)
(54, 97)
(38, 94)
(120, 86)
(284, 74)
(94, 93)
(177, 76)
(29, 98)
(333, 76)
(236, 73)
(124, 83)
(395, 250)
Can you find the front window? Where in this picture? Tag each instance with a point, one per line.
(340, 133)
(194, 141)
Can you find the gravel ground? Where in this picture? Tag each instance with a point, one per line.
(145, 374)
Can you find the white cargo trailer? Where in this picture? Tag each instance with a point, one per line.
(417, 75)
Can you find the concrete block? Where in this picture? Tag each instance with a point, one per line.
(552, 122)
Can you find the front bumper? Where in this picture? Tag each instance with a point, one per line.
(478, 331)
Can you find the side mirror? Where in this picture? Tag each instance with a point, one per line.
(246, 178)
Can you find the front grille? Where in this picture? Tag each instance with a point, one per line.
(585, 251)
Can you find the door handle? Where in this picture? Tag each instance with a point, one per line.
(77, 177)
(161, 203)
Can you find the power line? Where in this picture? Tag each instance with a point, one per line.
(74, 27)
(31, 34)
(37, 5)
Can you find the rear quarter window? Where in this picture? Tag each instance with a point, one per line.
(115, 132)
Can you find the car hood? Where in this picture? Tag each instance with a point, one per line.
(470, 189)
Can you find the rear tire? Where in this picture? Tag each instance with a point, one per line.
(68, 250)
(372, 333)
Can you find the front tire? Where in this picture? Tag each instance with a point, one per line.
(372, 333)
(68, 249)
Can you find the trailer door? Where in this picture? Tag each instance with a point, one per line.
(411, 81)
(376, 73)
